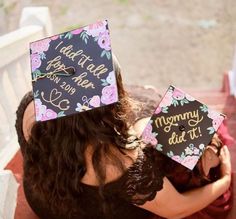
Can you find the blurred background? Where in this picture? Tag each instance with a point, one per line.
(188, 43)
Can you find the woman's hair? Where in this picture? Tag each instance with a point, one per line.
(54, 158)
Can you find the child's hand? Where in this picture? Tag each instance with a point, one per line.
(225, 162)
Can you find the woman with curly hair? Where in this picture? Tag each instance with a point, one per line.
(94, 165)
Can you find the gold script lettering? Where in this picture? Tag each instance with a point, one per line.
(68, 52)
(175, 139)
(55, 63)
(193, 133)
(97, 71)
(193, 117)
(84, 58)
(83, 82)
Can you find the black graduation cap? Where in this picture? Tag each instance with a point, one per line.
(181, 127)
(73, 72)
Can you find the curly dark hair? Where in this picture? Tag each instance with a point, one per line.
(55, 154)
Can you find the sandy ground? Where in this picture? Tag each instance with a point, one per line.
(188, 43)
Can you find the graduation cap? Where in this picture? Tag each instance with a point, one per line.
(181, 127)
(73, 72)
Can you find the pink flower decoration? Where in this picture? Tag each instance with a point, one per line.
(95, 101)
(148, 137)
(109, 94)
(95, 29)
(177, 158)
(40, 46)
(196, 151)
(35, 61)
(216, 117)
(213, 114)
(189, 98)
(167, 99)
(111, 78)
(153, 141)
(148, 129)
(54, 37)
(178, 95)
(77, 31)
(49, 114)
(158, 110)
(104, 40)
(39, 109)
(217, 122)
(190, 161)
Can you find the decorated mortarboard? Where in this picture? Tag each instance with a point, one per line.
(73, 72)
(181, 127)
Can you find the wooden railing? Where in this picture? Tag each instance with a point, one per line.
(35, 23)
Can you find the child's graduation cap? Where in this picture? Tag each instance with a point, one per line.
(181, 127)
(73, 72)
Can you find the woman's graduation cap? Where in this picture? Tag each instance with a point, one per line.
(73, 72)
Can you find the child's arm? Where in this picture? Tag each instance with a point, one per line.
(169, 203)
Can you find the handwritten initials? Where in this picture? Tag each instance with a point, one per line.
(54, 97)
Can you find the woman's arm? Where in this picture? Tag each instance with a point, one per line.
(170, 203)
